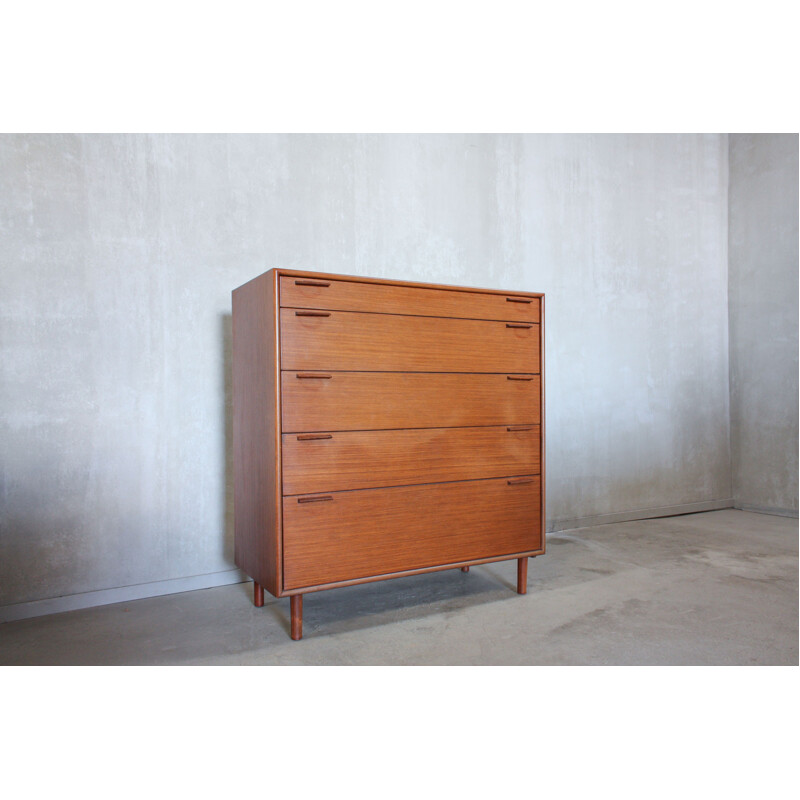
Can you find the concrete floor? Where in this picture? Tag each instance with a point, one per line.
(713, 588)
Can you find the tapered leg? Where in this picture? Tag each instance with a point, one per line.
(465, 569)
(258, 594)
(522, 575)
(296, 605)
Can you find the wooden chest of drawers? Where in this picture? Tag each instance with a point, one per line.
(381, 429)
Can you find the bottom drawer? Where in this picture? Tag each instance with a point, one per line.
(358, 534)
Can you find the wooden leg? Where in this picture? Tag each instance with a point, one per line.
(465, 569)
(522, 575)
(296, 605)
(258, 594)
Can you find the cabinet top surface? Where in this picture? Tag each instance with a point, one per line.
(277, 272)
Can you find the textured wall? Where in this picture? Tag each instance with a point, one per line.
(119, 254)
(627, 237)
(763, 319)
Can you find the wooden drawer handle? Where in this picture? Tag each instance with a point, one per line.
(518, 481)
(313, 375)
(312, 313)
(306, 437)
(519, 324)
(314, 499)
(519, 428)
(512, 377)
(519, 300)
(315, 283)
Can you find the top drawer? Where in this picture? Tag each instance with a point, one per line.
(336, 295)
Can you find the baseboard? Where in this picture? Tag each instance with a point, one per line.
(642, 513)
(123, 594)
(776, 512)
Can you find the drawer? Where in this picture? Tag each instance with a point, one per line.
(348, 535)
(297, 292)
(327, 462)
(345, 340)
(351, 401)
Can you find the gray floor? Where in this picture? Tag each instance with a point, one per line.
(713, 588)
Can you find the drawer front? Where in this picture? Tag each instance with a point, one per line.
(358, 401)
(352, 296)
(328, 462)
(344, 340)
(370, 532)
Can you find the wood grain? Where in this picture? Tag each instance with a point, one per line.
(341, 295)
(387, 366)
(351, 401)
(368, 532)
(329, 276)
(256, 432)
(473, 562)
(367, 459)
(356, 341)
(522, 576)
(296, 611)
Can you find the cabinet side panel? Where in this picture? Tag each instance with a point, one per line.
(256, 457)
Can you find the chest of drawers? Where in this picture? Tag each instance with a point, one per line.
(381, 429)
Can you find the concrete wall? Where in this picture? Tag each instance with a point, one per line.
(762, 243)
(627, 237)
(119, 254)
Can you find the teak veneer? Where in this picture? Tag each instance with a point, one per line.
(383, 428)
(356, 401)
(357, 341)
(333, 462)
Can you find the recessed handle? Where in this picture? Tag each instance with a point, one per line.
(512, 377)
(314, 283)
(518, 481)
(314, 499)
(519, 324)
(519, 428)
(306, 437)
(518, 300)
(312, 313)
(313, 375)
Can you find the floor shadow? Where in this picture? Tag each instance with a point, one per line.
(371, 605)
